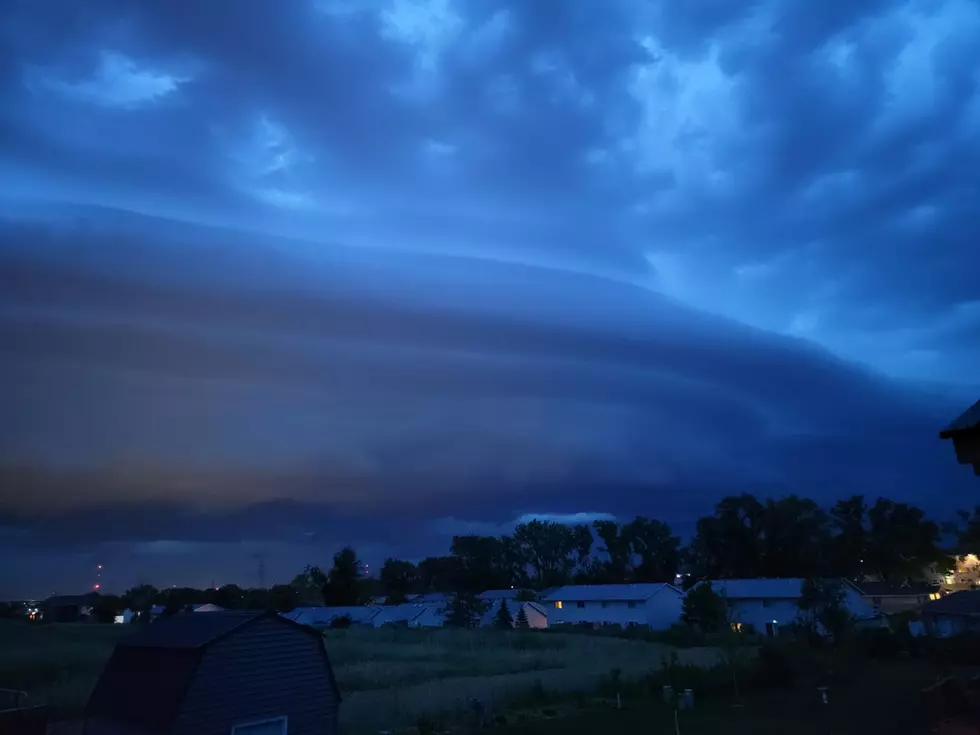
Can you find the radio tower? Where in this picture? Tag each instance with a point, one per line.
(98, 578)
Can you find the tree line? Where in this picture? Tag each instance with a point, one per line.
(744, 537)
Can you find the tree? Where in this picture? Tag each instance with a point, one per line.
(902, 542)
(439, 573)
(308, 585)
(343, 585)
(521, 622)
(398, 580)
(464, 611)
(729, 544)
(849, 546)
(616, 568)
(822, 608)
(548, 548)
(283, 598)
(140, 598)
(483, 563)
(655, 547)
(705, 609)
(796, 535)
(503, 620)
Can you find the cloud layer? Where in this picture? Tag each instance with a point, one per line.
(445, 260)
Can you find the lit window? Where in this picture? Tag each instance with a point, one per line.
(934, 596)
(558, 604)
(736, 627)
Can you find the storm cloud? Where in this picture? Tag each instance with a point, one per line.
(302, 274)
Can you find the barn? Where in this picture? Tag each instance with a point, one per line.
(216, 673)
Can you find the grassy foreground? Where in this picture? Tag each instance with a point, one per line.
(389, 677)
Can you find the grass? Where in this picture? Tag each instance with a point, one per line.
(389, 677)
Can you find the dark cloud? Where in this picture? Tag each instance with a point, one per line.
(444, 260)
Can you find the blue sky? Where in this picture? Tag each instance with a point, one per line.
(280, 276)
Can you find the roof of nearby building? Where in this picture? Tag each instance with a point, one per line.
(189, 630)
(207, 607)
(740, 589)
(892, 589)
(969, 419)
(966, 602)
(609, 592)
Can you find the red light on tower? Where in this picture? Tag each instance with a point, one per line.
(95, 586)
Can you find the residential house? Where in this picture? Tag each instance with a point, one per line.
(435, 599)
(495, 595)
(655, 605)
(965, 433)
(965, 574)
(324, 616)
(124, 618)
(245, 673)
(409, 615)
(207, 607)
(888, 598)
(766, 604)
(537, 616)
(952, 614)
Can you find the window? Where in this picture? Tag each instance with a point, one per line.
(558, 604)
(580, 604)
(736, 627)
(933, 595)
(631, 604)
(767, 603)
(605, 603)
(273, 726)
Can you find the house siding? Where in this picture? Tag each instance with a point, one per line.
(265, 670)
(659, 611)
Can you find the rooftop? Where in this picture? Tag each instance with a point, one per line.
(616, 592)
(740, 589)
(966, 602)
(188, 629)
(891, 589)
(969, 419)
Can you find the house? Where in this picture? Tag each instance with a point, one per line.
(496, 595)
(965, 575)
(323, 617)
(410, 615)
(656, 605)
(436, 599)
(68, 608)
(888, 598)
(536, 614)
(952, 614)
(766, 604)
(218, 673)
(965, 433)
(125, 617)
(207, 607)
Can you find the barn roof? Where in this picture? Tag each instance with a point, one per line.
(189, 629)
(969, 419)
(609, 592)
(144, 682)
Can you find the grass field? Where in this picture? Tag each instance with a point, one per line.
(389, 678)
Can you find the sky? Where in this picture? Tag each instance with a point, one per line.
(277, 277)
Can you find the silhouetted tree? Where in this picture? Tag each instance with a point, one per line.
(521, 620)
(308, 585)
(705, 609)
(656, 549)
(343, 585)
(464, 611)
(398, 579)
(503, 620)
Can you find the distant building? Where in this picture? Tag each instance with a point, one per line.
(68, 608)
(889, 598)
(655, 605)
(325, 616)
(965, 574)
(510, 593)
(768, 604)
(965, 433)
(227, 673)
(952, 614)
